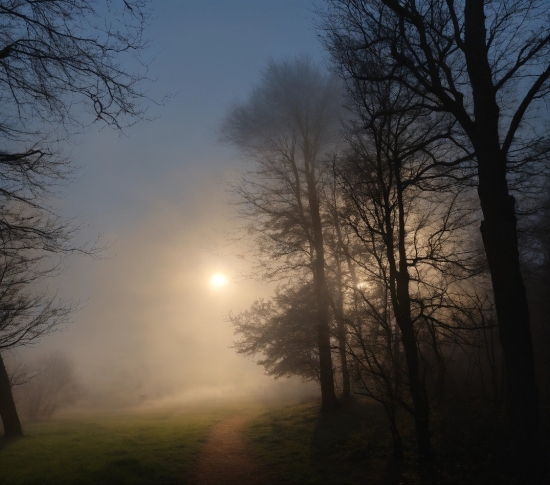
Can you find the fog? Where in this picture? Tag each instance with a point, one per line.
(149, 327)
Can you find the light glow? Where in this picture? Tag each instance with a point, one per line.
(218, 280)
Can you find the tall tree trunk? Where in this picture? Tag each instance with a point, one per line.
(499, 232)
(346, 387)
(500, 240)
(8, 412)
(416, 386)
(440, 360)
(342, 333)
(401, 303)
(328, 395)
(398, 449)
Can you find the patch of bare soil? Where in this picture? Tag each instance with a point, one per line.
(225, 458)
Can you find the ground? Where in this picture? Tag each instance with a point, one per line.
(226, 458)
(246, 443)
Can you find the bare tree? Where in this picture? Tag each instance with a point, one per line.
(377, 366)
(56, 54)
(486, 64)
(56, 58)
(286, 128)
(26, 312)
(403, 204)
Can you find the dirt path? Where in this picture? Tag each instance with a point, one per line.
(225, 458)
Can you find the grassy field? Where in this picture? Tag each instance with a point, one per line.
(353, 446)
(296, 443)
(349, 447)
(130, 448)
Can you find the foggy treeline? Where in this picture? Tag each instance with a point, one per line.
(401, 202)
(45, 386)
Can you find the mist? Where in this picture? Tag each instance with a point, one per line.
(149, 327)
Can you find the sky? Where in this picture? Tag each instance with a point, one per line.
(149, 325)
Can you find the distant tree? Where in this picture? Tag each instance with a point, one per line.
(52, 386)
(57, 59)
(486, 64)
(286, 128)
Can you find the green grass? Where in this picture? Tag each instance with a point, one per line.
(353, 446)
(350, 446)
(135, 448)
(298, 445)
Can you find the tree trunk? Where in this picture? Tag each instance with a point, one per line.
(398, 449)
(416, 386)
(8, 412)
(346, 388)
(441, 365)
(328, 396)
(346, 391)
(326, 377)
(401, 303)
(499, 234)
(500, 240)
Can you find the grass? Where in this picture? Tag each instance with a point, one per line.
(135, 448)
(297, 443)
(351, 446)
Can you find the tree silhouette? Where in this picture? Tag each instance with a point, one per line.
(286, 128)
(60, 65)
(486, 64)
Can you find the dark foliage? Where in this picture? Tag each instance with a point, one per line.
(283, 331)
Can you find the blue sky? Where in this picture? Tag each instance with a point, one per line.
(206, 54)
